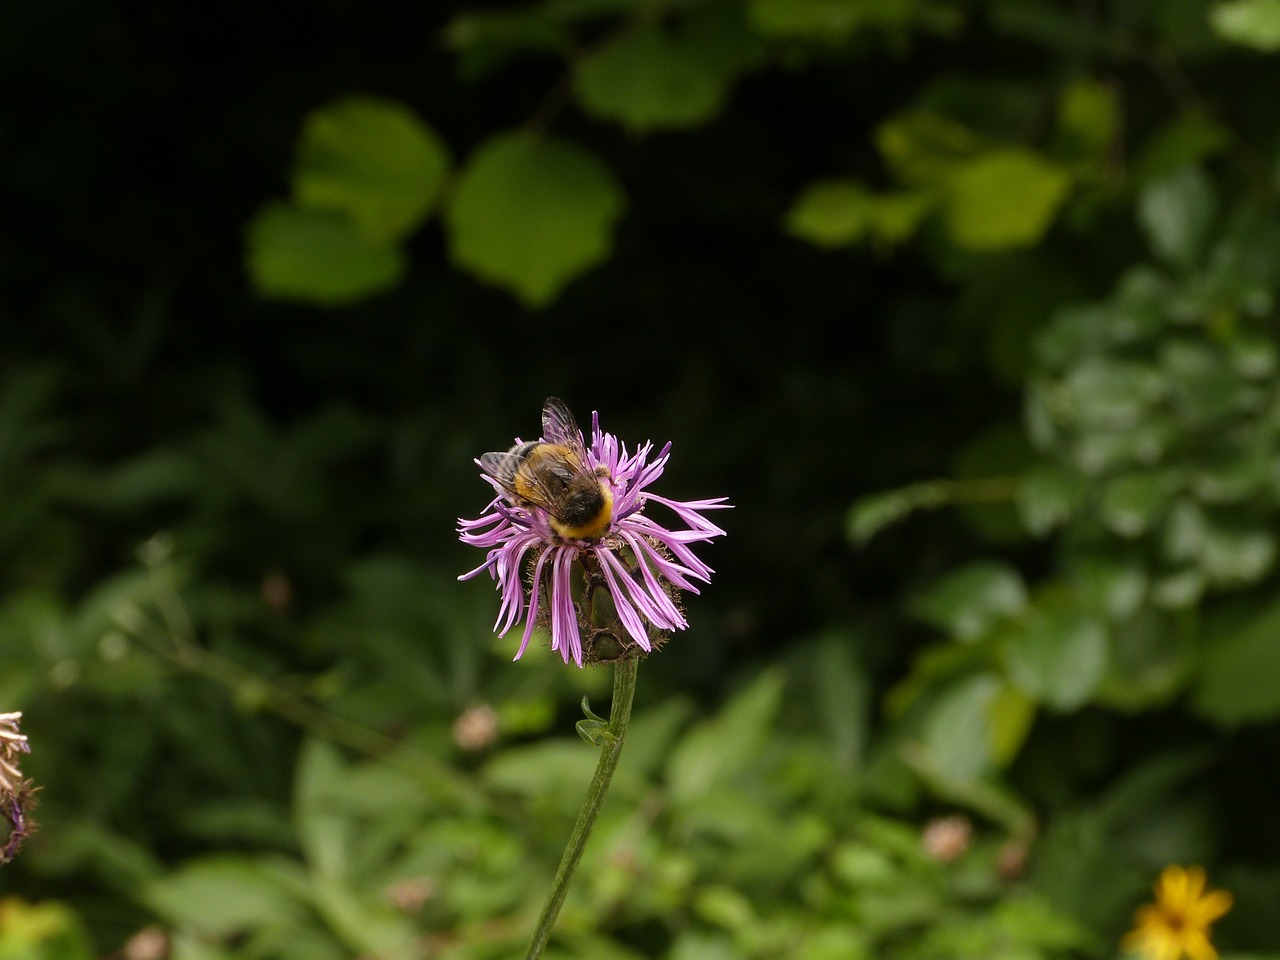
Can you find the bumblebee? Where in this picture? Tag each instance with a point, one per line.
(552, 474)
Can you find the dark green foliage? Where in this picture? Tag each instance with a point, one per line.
(969, 309)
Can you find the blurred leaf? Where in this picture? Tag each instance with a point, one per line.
(1250, 23)
(842, 696)
(1185, 141)
(372, 160)
(1253, 357)
(698, 945)
(970, 601)
(1133, 502)
(552, 766)
(1235, 478)
(1152, 657)
(1088, 121)
(1178, 590)
(986, 468)
(837, 213)
(834, 942)
(41, 931)
(1047, 497)
(1057, 655)
(222, 895)
(832, 213)
(1237, 554)
(319, 257)
(1111, 586)
(1016, 928)
(726, 908)
(1006, 197)
(485, 40)
(530, 214)
(652, 731)
(1240, 679)
(1176, 213)
(959, 733)
(1049, 24)
(871, 514)
(651, 78)
(324, 825)
(1203, 388)
(1241, 268)
(1012, 714)
(923, 148)
(723, 746)
(825, 20)
(1105, 392)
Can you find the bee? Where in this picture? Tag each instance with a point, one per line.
(552, 474)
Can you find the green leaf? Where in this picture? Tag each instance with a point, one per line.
(1105, 392)
(986, 469)
(825, 20)
(530, 214)
(316, 256)
(1237, 554)
(958, 730)
(836, 213)
(832, 213)
(1088, 119)
(1047, 496)
(1132, 502)
(544, 768)
(724, 745)
(924, 148)
(593, 729)
(1186, 140)
(970, 601)
(1203, 387)
(1250, 23)
(1240, 667)
(1057, 655)
(222, 895)
(485, 40)
(1110, 586)
(842, 699)
(1009, 720)
(1151, 660)
(646, 79)
(869, 515)
(47, 930)
(373, 160)
(1004, 198)
(1176, 213)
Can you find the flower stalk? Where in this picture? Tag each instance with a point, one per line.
(569, 541)
(624, 688)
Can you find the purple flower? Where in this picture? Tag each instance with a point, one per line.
(569, 541)
(15, 792)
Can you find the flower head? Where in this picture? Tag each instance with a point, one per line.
(571, 546)
(15, 792)
(1178, 923)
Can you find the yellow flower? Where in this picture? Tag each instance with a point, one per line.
(1177, 924)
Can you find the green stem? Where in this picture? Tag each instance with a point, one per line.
(624, 689)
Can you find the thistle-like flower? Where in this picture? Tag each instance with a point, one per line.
(570, 519)
(15, 792)
(1177, 924)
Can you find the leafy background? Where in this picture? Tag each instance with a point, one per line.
(970, 308)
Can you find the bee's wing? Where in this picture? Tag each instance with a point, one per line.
(502, 466)
(546, 486)
(558, 426)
